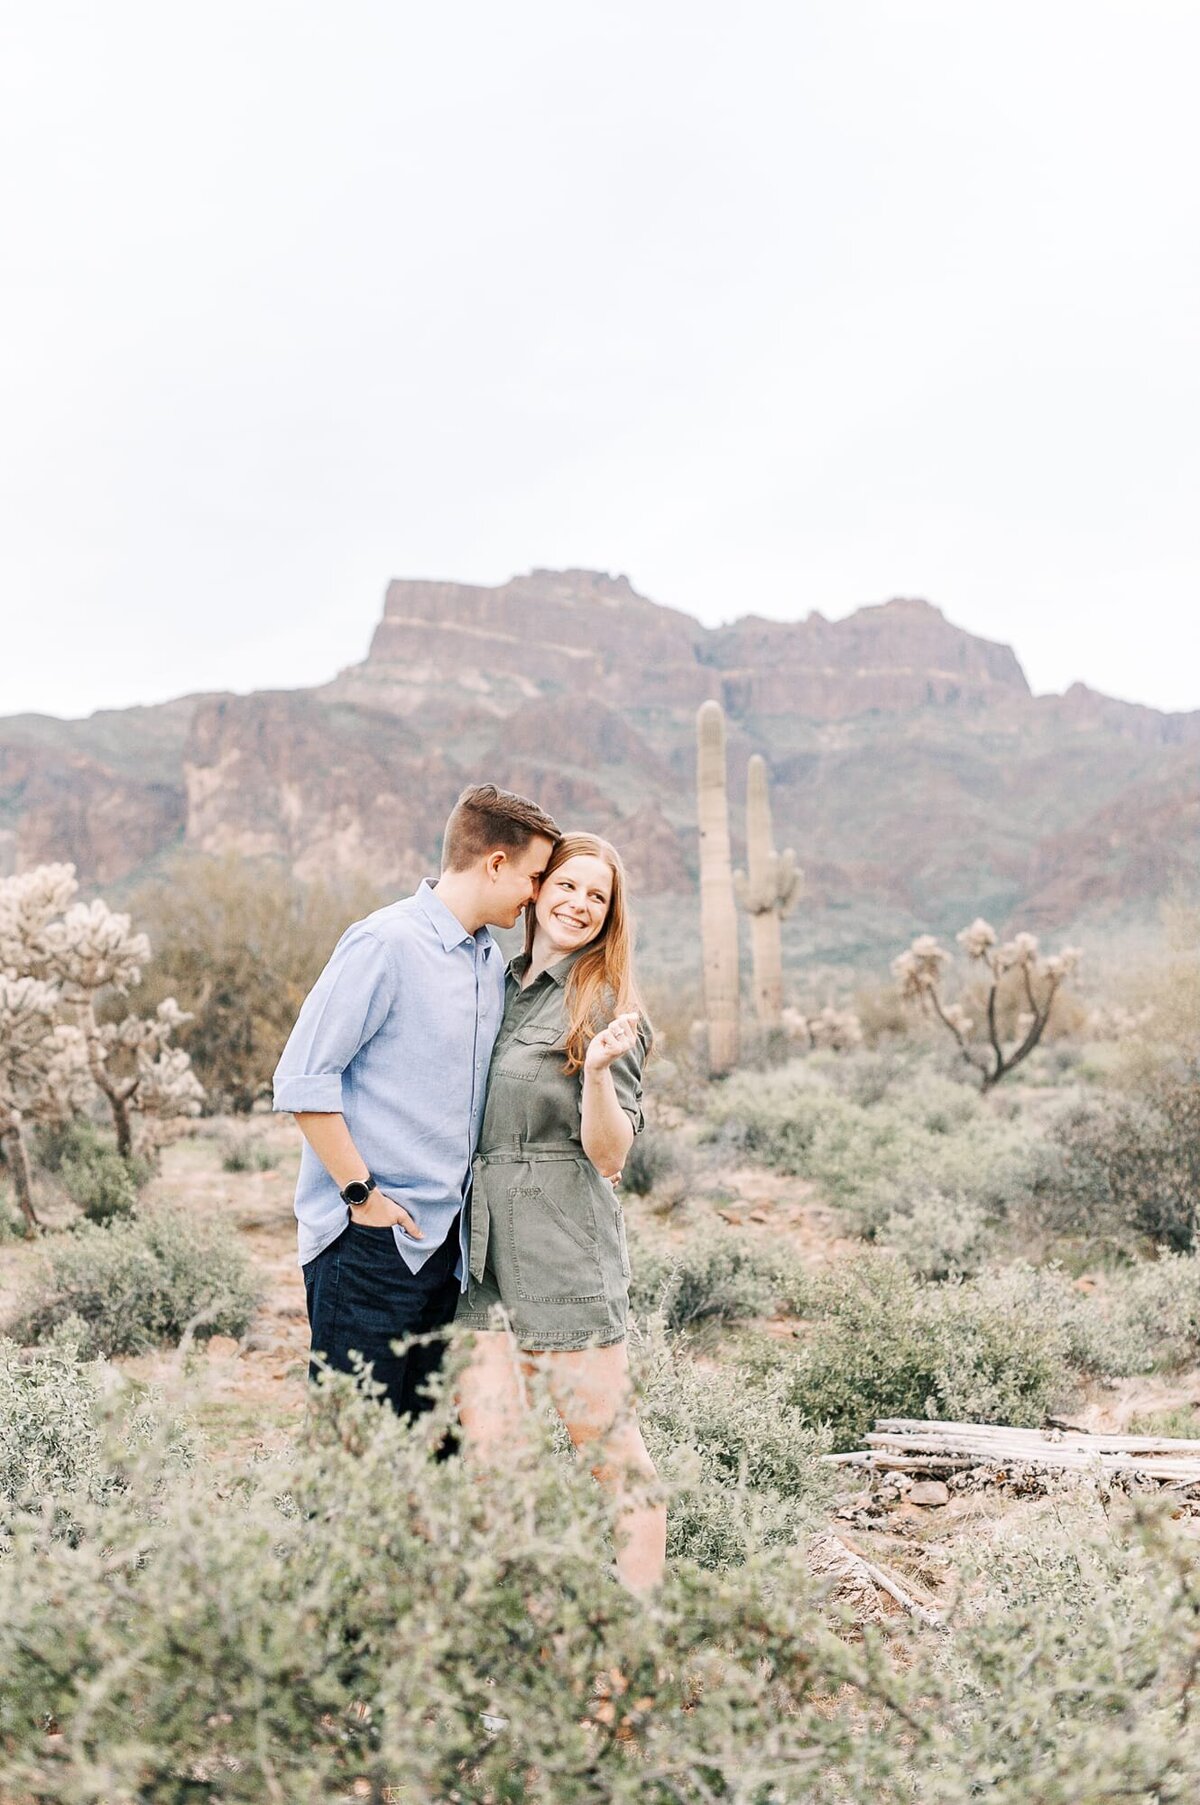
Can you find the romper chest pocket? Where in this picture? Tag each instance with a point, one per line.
(530, 1048)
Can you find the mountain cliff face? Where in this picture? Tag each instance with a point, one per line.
(581, 632)
(916, 776)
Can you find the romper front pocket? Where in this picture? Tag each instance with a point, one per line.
(527, 1050)
(555, 1248)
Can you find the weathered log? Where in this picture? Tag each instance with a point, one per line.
(901, 1444)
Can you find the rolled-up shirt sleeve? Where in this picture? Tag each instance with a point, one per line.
(348, 1004)
(627, 1076)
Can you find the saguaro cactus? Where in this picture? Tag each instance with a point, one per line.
(718, 911)
(767, 893)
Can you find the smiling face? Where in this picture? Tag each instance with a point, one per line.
(572, 904)
(515, 877)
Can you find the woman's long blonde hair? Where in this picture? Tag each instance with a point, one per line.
(601, 981)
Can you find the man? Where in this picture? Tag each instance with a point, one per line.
(385, 1072)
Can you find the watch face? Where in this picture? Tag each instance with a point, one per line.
(356, 1191)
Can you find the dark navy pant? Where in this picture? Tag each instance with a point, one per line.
(362, 1297)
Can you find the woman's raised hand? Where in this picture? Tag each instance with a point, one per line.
(609, 1044)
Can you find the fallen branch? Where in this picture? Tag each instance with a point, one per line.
(901, 1444)
(887, 1583)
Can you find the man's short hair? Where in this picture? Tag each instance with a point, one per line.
(485, 818)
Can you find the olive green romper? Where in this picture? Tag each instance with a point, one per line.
(547, 1237)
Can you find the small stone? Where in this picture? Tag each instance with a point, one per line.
(734, 1217)
(760, 1215)
(931, 1493)
(222, 1347)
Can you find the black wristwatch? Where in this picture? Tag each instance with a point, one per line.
(358, 1190)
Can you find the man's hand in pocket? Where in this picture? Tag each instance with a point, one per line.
(380, 1212)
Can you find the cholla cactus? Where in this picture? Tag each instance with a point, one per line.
(82, 953)
(767, 891)
(29, 903)
(919, 970)
(92, 951)
(718, 911)
(919, 973)
(92, 948)
(140, 1073)
(43, 1073)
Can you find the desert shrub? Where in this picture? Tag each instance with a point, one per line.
(242, 1152)
(247, 1649)
(1003, 1347)
(100, 1180)
(741, 1465)
(140, 1283)
(244, 1647)
(938, 1236)
(240, 943)
(867, 1076)
(1069, 1675)
(987, 1171)
(885, 1017)
(1179, 1421)
(650, 1160)
(1157, 1304)
(54, 1142)
(1130, 1165)
(11, 1225)
(715, 1276)
(918, 1136)
(50, 1435)
(67, 1436)
(774, 1116)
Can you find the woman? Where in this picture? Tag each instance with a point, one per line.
(547, 1235)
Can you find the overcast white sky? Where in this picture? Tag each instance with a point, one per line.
(773, 307)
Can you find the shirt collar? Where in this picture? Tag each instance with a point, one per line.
(450, 929)
(557, 973)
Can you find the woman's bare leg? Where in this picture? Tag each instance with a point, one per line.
(593, 1393)
(491, 1398)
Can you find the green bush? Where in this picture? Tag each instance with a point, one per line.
(650, 1160)
(239, 943)
(1130, 1166)
(774, 1116)
(252, 1642)
(68, 1435)
(101, 1184)
(882, 1159)
(742, 1466)
(1157, 1305)
(266, 1643)
(140, 1283)
(94, 1175)
(1004, 1347)
(12, 1226)
(938, 1236)
(715, 1276)
(50, 1435)
(1069, 1677)
(242, 1152)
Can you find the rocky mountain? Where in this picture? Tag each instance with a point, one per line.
(917, 777)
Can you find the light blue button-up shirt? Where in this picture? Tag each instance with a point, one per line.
(397, 1035)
